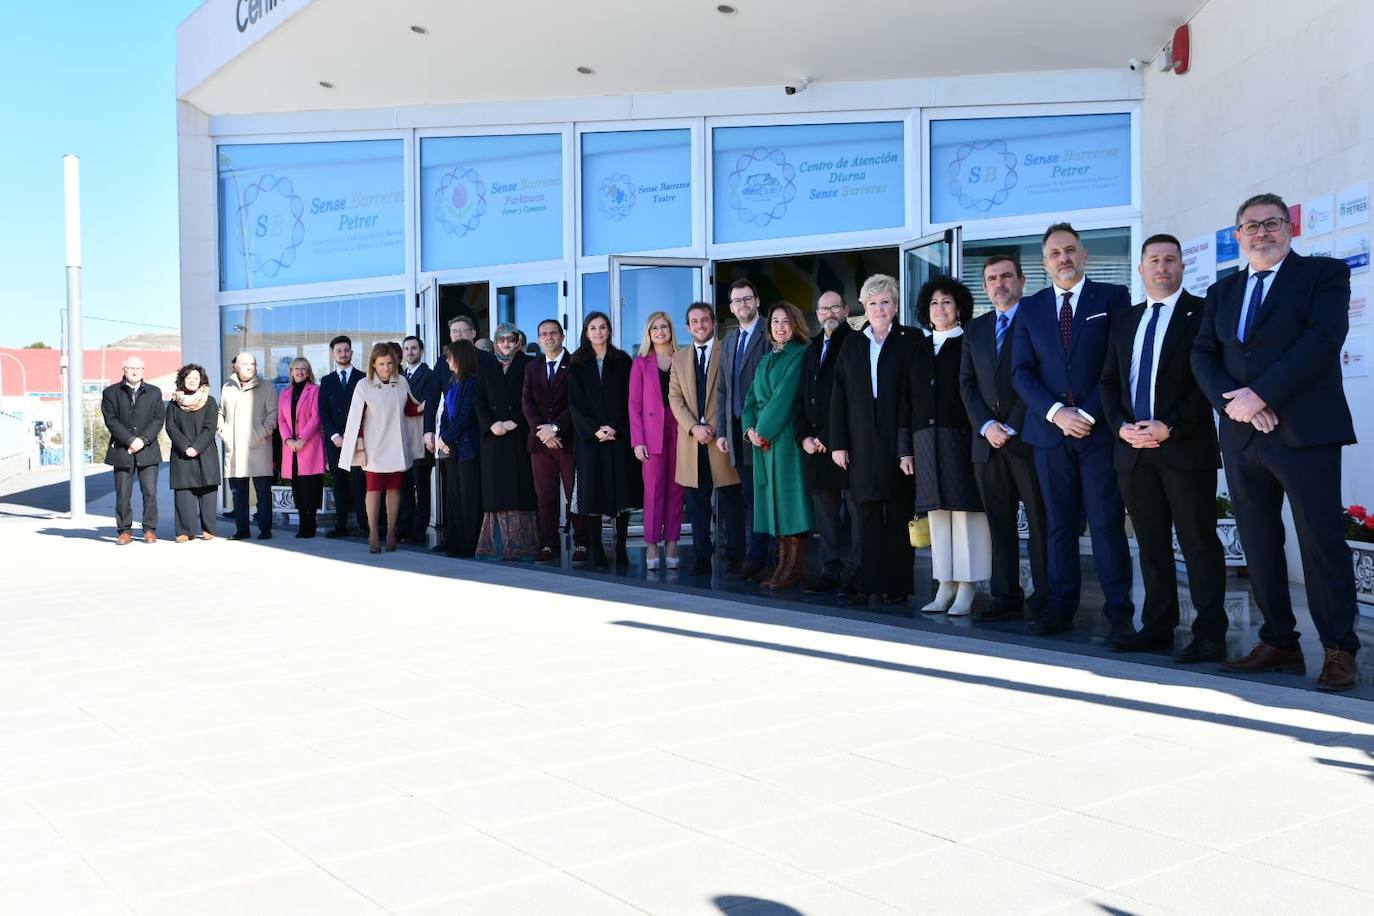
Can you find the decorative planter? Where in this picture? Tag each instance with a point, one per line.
(1230, 543)
(283, 503)
(1362, 556)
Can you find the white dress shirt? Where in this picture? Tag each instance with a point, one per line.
(1250, 282)
(1166, 311)
(875, 350)
(557, 361)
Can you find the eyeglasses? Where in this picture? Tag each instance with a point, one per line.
(1252, 227)
(743, 300)
(832, 308)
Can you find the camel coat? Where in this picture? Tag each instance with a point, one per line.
(682, 400)
(391, 438)
(247, 419)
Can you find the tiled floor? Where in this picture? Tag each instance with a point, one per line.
(281, 727)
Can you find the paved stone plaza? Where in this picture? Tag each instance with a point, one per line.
(234, 728)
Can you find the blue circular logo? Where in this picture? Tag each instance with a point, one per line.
(982, 175)
(617, 197)
(271, 214)
(460, 201)
(762, 184)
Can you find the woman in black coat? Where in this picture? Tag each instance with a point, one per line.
(936, 444)
(609, 481)
(509, 529)
(191, 418)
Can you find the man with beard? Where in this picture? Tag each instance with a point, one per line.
(741, 352)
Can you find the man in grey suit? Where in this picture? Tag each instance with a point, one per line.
(741, 351)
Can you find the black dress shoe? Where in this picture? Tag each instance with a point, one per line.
(264, 535)
(336, 533)
(702, 567)
(546, 555)
(992, 612)
(822, 586)
(748, 570)
(1051, 624)
(894, 599)
(441, 548)
(856, 599)
(1201, 650)
(240, 536)
(1144, 641)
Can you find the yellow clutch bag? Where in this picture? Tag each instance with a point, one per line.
(919, 531)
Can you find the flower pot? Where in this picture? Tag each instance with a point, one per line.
(1362, 556)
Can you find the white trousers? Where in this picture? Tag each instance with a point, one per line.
(960, 546)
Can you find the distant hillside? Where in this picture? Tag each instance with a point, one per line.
(148, 341)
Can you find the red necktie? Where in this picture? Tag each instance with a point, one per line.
(1066, 321)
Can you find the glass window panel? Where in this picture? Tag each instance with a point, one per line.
(645, 290)
(310, 212)
(636, 191)
(277, 332)
(981, 168)
(807, 179)
(526, 306)
(490, 200)
(596, 292)
(1109, 261)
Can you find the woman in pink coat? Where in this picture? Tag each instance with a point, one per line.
(653, 433)
(302, 455)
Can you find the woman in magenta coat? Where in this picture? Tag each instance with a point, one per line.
(302, 443)
(653, 433)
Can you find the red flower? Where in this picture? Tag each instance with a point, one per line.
(1369, 523)
(1358, 512)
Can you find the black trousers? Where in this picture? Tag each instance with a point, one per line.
(885, 553)
(1005, 480)
(350, 492)
(195, 510)
(124, 496)
(462, 506)
(739, 521)
(262, 487)
(699, 506)
(1160, 499)
(307, 491)
(414, 517)
(837, 524)
(1259, 476)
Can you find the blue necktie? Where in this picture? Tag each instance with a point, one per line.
(737, 397)
(1001, 331)
(1147, 365)
(1256, 299)
(551, 366)
(825, 345)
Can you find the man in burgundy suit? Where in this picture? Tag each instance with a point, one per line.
(545, 404)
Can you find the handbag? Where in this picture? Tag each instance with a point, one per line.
(918, 530)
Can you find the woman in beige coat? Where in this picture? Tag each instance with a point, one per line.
(247, 420)
(384, 435)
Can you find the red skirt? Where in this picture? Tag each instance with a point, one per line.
(390, 480)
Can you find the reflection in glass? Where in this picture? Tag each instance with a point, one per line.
(526, 306)
(645, 290)
(636, 191)
(1109, 261)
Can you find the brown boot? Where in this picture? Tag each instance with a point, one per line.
(1338, 671)
(792, 571)
(767, 581)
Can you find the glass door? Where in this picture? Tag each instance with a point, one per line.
(922, 260)
(642, 286)
(526, 301)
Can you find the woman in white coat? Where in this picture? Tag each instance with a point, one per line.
(384, 435)
(247, 420)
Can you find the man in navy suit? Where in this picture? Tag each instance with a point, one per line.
(413, 522)
(336, 394)
(1268, 358)
(1059, 345)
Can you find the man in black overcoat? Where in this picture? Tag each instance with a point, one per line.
(413, 522)
(134, 414)
(336, 395)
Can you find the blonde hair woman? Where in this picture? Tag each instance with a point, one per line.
(653, 434)
(302, 442)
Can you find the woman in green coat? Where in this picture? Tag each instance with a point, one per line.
(782, 506)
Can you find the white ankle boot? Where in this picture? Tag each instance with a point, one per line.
(963, 601)
(940, 603)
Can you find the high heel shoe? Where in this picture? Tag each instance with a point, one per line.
(963, 600)
(940, 603)
(373, 544)
(670, 559)
(651, 557)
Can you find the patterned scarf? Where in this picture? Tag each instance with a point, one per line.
(192, 402)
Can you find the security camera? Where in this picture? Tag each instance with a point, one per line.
(1133, 64)
(799, 87)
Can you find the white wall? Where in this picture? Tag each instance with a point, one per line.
(199, 258)
(1280, 98)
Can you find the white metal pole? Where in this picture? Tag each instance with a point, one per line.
(74, 442)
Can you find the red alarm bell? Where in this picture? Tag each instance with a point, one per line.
(1181, 50)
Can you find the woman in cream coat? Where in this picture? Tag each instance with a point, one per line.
(247, 420)
(384, 435)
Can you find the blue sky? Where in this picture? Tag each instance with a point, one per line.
(95, 79)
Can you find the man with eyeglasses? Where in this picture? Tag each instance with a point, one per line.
(742, 350)
(1268, 358)
(831, 500)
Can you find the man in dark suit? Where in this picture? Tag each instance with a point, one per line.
(336, 394)
(1003, 463)
(413, 522)
(864, 417)
(831, 499)
(742, 350)
(134, 414)
(1268, 357)
(1166, 456)
(1058, 348)
(460, 327)
(544, 401)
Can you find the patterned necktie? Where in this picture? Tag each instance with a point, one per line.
(825, 348)
(1143, 383)
(1001, 331)
(1256, 300)
(1066, 320)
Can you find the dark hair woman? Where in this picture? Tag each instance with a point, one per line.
(459, 444)
(191, 419)
(608, 477)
